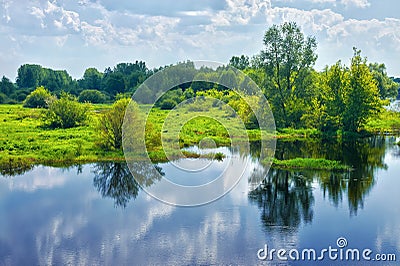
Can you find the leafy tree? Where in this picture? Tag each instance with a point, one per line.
(38, 98)
(325, 110)
(110, 124)
(114, 83)
(6, 86)
(29, 76)
(91, 79)
(66, 112)
(91, 96)
(287, 58)
(241, 62)
(387, 87)
(362, 97)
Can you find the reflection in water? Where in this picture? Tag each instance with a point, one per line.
(285, 199)
(365, 156)
(56, 217)
(114, 180)
(15, 167)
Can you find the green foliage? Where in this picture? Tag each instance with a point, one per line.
(110, 124)
(287, 59)
(91, 79)
(362, 98)
(346, 99)
(3, 98)
(387, 87)
(6, 86)
(66, 112)
(241, 62)
(38, 98)
(168, 104)
(309, 164)
(91, 96)
(32, 76)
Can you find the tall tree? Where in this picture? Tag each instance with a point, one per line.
(287, 57)
(29, 76)
(362, 96)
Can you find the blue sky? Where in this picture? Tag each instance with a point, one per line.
(75, 35)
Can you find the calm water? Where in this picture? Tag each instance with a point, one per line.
(97, 214)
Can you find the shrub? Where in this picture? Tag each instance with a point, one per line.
(92, 96)
(38, 98)
(66, 112)
(168, 104)
(110, 125)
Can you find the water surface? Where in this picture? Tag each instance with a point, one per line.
(98, 215)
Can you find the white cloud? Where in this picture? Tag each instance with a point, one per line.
(356, 3)
(180, 32)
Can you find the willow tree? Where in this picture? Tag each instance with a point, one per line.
(288, 58)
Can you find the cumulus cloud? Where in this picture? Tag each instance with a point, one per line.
(162, 31)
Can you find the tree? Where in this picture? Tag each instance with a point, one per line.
(241, 62)
(29, 76)
(91, 79)
(110, 124)
(362, 98)
(287, 58)
(91, 96)
(38, 98)
(66, 112)
(114, 83)
(387, 87)
(6, 86)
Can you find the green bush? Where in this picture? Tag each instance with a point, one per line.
(168, 104)
(110, 125)
(66, 112)
(92, 96)
(38, 98)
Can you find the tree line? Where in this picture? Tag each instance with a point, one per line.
(94, 86)
(340, 97)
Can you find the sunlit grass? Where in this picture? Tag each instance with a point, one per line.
(310, 164)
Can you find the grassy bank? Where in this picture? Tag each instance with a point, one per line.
(24, 141)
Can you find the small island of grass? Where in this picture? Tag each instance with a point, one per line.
(310, 164)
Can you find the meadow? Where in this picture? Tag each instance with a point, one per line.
(25, 141)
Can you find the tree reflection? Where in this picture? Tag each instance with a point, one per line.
(114, 180)
(14, 167)
(285, 199)
(366, 156)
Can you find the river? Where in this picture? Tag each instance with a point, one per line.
(97, 214)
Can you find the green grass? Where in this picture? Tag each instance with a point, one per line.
(384, 122)
(291, 133)
(24, 141)
(310, 164)
(23, 137)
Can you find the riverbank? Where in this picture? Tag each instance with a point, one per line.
(25, 142)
